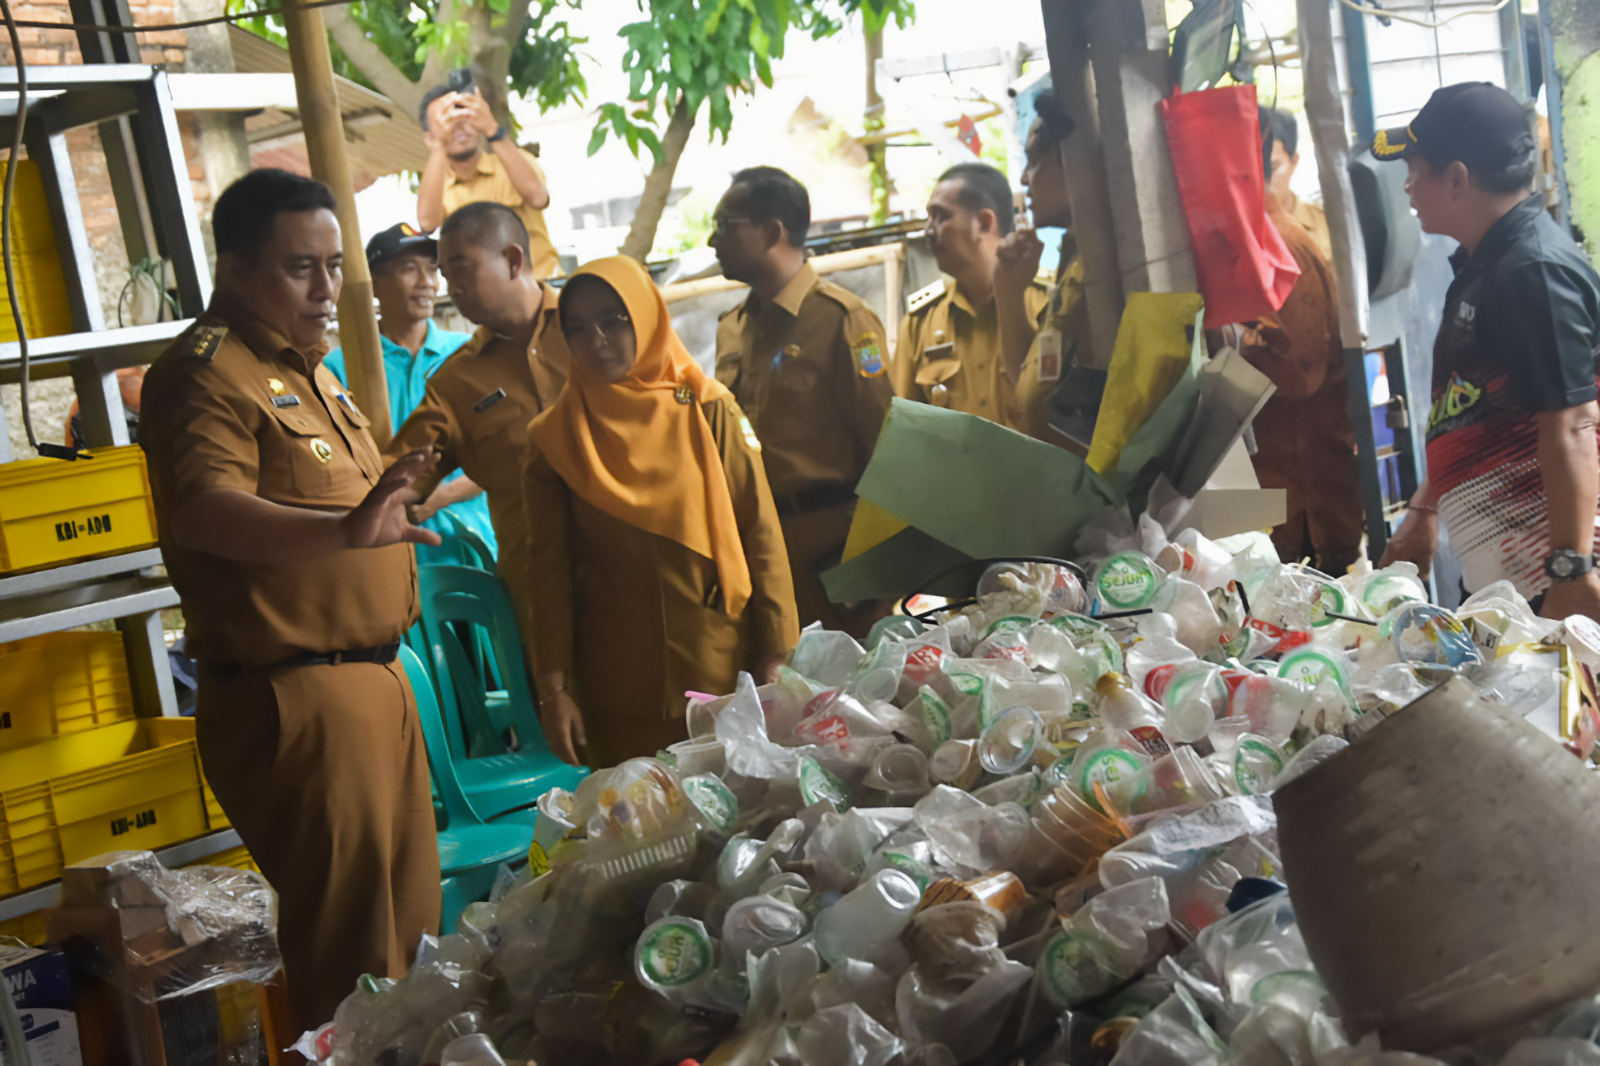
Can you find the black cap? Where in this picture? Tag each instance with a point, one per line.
(403, 237)
(1477, 122)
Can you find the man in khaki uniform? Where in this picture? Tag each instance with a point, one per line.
(1041, 357)
(950, 352)
(805, 360)
(459, 172)
(287, 542)
(1280, 133)
(479, 402)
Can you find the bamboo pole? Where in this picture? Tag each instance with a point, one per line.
(324, 132)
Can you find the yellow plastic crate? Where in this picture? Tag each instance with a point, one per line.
(216, 818)
(238, 858)
(42, 284)
(62, 683)
(148, 798)
(33, 928)
(53, 512)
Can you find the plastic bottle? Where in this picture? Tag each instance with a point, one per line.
(1195, 558)
(1124, 708)
(474, 1049)
(759, 922)
(868, 917)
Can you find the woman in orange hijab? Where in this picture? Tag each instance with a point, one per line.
(658, 562)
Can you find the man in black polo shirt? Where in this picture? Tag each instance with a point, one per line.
(1513, 467)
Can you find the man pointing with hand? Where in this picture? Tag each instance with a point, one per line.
(289, 546)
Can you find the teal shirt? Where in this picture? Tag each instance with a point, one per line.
(408, 376)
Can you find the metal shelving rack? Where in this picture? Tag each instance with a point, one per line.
(131, 104)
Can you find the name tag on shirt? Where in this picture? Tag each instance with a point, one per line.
(489, 401)
(286, 401)
(947, 350)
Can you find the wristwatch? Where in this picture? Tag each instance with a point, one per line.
(1567, 565)
(498, 135)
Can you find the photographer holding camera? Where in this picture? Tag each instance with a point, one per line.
(457, 123)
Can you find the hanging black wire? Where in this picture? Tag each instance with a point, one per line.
(1083, 577)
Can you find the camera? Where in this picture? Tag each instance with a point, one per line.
(461, 80)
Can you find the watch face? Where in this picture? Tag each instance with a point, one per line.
(1562, 566)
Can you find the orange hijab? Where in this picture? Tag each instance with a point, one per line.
(640, 449)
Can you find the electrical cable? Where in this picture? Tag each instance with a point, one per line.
(95, 27)
(6, 197)
(1383, 12)
(1082, 575)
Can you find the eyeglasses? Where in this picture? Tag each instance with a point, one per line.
(611, 328)
(721, 224)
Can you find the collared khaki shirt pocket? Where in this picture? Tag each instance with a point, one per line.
(938, 378)
(797, 374)
(297, 456)
(358, 430)
(496, 422)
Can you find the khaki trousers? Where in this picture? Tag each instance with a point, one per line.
(814, 540)
(323, 771)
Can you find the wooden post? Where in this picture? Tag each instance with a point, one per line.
(1084, 163)
(324, 132)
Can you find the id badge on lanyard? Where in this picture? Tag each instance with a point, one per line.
(1049, 353)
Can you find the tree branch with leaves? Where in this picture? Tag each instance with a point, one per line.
(694, 54)
(403, 48)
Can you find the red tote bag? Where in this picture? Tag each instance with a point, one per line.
(1245, 269)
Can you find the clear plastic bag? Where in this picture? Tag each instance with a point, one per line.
(184, 931)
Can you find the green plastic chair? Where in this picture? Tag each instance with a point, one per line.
(470, 852)
(523, 768)
(470, 544)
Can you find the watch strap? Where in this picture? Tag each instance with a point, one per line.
(498, 135)
(1580, 565)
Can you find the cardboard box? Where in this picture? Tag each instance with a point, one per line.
(39, 981)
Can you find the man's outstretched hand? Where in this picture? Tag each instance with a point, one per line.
(380, 519)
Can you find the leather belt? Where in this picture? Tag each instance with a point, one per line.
(816, 498)
(383, 653)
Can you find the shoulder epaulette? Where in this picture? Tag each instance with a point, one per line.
(924, 296)
(840, 295)
(205, 340)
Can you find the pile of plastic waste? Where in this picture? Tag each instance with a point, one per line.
(1033, 828)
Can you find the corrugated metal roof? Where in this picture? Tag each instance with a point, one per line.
(380, 137)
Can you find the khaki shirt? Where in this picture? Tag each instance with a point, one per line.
(949, 353)
(1314, 221)
(809, 369)
(475, 413)
(634, 615)
(232, 406)
(1067, 316)
(490, 183)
